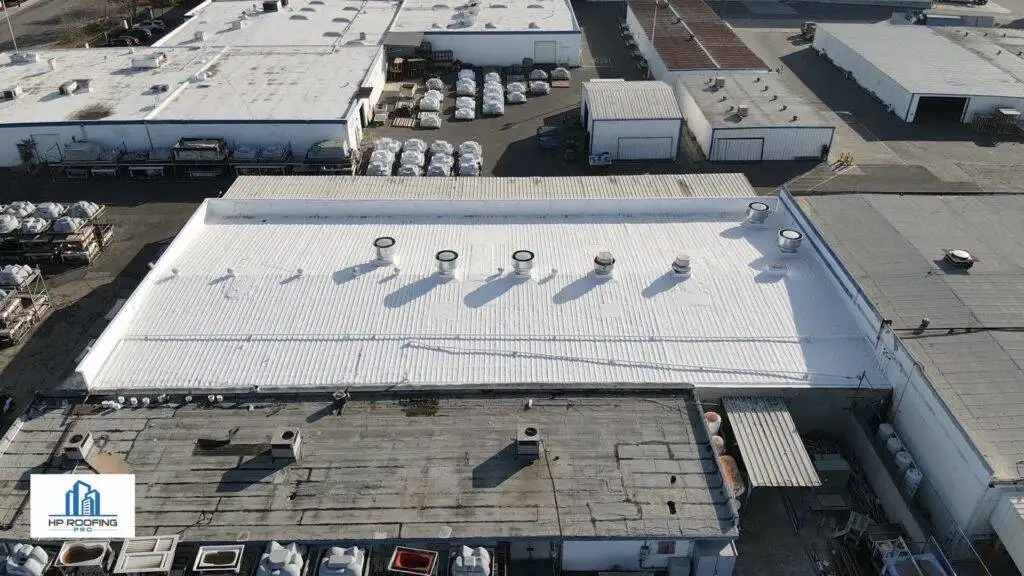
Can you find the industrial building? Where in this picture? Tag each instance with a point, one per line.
(750, 118)
(493, 33)
(683, 37)
(631, 120)
(917, 73)
(958, 405)
(139, 100)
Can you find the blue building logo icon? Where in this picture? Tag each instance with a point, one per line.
(82, 500)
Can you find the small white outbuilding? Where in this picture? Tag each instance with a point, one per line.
(631, 120)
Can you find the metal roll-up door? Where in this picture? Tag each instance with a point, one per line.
(545, 52)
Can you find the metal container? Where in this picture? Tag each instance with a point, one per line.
(903, 461)
(912, 481)
(894, 446)
(885, 431)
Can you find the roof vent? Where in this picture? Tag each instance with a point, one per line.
(271, 5)
(285, 443)
(789, 241)
(604, 262)
(150, 555)
(681, 265)
(719, 81)
(385, 246)
(11, 93)
(297, 17)
(490, 26)
(78, 446)
(219, 559)
(960, 258)
(742, 110)
(533, 26)
(160, 87)
(439, 7)
(240, 23)
(307, 9)
(200, 36)
(534, 6)
(154, 61)
(447, 261)
(85, 558)
(522, 262)
(757, 212)
(527, 442)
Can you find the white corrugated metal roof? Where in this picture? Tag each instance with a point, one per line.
(344, 321)
(642, 100)
(571, 187)
(773, 452)
(922, 61)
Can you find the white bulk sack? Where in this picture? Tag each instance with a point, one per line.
(413, 158)
(48, 211)
(465, 88)
(8, 223)
(439, 170)
(441, 147)
(430, 120)
(20, 209)
(493, 108)
(435, 84)
(465, 102)
(409, 170)
(540, 88)
(66, 225)
(470, 148)
(435, 94)
(516, 87)
(415, 145)
(83, 209)
(14, 274)
(492, 77)
(467, 74)
(429, 104)
(516, 98)
(538, 75)
(465, 114)
(33, 225)
(442, 160)
(382, 157)
(389, 144)
(559, 74)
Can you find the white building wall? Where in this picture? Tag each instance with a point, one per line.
(605, 134)
(376, 77)
(658, 69)
(695, 120)
(988, 105)
(505, 49)
(893, 96)
(1009, 524)
(620, 555)
(301, 136)
(783, 143)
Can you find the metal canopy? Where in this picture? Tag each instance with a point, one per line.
(773, 453)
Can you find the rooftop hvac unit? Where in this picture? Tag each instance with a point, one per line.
(219, 559)
(200, 36)
(26, 560)
(271, 5)
(154, 61)
(11, 93)
(68, 88)
(719, 81)
(78, 446)
(85, 558)
(24, 58)
(742, 110)
(149, 555)
(527, 442)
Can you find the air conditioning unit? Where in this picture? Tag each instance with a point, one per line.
(285, 443)
(742, 110)
(719, 81)
(85, 558)
(155, 61)
(11, 93)
(271, 5)
(527, 442)
(78, 446)
(219, 559)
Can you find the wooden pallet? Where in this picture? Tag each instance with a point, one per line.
(403, 122)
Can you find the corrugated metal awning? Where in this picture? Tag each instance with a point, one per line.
(403, 38)
(773, 453)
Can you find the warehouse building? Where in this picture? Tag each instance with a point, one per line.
(631, 120)
(295, 23)
(918, 74)
(145, 99)
(958, 385)
(684, 37)
(750, 118)
(493, 33)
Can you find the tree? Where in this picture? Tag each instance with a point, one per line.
(122, 10)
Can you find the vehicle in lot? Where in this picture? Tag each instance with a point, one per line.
(157, 24)
(140, 34)
(125, 40)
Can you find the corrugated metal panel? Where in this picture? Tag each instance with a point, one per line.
(773, 453)
(576, 187)
(651, 100)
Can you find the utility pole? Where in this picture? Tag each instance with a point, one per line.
(654, 26)
(7, 15)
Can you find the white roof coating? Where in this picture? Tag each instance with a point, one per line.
(243, 83)
(640, 100)
(454, 16)
(301, 23)
(923, 61)
(1003, 47)
(285, 294)
(769, 102)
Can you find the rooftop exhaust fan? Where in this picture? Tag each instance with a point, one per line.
(527, 442)
(604, 262)
(789, 241)
(960, 259)
(681, 265)
(85, 558)
(447, 261)
(757, 213)
(522, 262)
(385, 246)
(219, 559)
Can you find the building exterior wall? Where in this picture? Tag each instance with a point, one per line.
(375, 77)
(605, 134)
(988, 105)
(781, 143)
(620, 555)
(657, 67)
(694, 117)
(497, 49)
(894, 97)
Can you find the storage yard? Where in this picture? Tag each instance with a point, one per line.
(494, 289)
